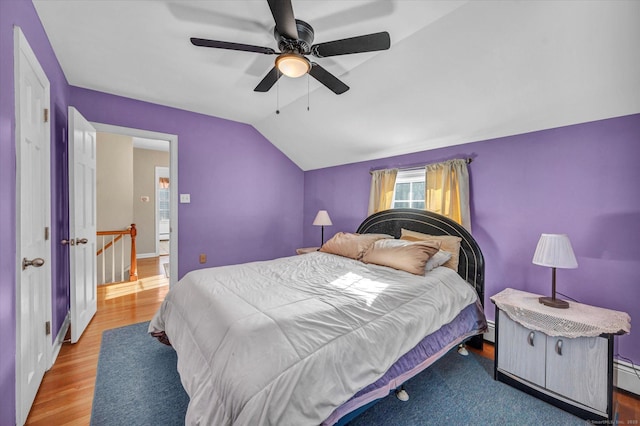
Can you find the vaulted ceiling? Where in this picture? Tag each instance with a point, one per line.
(456, 72)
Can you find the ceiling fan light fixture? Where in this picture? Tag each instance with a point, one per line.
(292, 65)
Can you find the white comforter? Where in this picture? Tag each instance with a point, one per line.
(287, 341)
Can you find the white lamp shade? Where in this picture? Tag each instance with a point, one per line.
(554, 250)
(322, 219)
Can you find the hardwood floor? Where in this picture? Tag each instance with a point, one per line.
(66, 394)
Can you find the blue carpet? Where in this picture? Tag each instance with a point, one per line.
(137, 381)
(459, 390)
(138, 384)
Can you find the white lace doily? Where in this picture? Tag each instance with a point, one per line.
(577, 321)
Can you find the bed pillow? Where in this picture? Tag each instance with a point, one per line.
(438, 259)
(449, 243)
(350, 245)
(411, 257)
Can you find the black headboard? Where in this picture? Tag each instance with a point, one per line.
(471, 264)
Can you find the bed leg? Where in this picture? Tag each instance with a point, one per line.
(402, 394)
(462, 350)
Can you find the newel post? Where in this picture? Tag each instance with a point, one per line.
(133, 271)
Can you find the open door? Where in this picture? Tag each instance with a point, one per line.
(82, 222)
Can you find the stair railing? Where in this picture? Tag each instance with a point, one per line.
(109, 246)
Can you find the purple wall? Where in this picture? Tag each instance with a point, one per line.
(249, 202)
(581, 180)
(22, 14)
(246, 196)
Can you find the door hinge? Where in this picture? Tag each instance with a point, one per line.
(47, 327)
(46, 233)
(46, 115)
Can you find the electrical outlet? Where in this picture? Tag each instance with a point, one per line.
(203, 258)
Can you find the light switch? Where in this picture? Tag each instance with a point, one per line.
(185, 198)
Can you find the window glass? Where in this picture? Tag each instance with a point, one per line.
(417, 190)
(163, 202)
(403, 191)
(409, 190)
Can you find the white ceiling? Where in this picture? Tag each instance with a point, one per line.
(456, 72)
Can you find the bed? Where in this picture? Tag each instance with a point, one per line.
(317, 338)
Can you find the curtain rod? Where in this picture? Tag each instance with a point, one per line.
(468, 160)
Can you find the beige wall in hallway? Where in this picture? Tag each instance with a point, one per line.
(145, 162)
(114, 181)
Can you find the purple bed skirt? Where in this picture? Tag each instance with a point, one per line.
(469, 322)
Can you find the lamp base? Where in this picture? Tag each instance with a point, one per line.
(554, 303)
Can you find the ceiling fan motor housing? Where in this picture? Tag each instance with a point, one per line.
(302, 45)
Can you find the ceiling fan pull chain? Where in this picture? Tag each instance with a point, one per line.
(308, 91)
(278, 93)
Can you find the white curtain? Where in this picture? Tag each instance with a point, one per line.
(447, 190)
(383, 183)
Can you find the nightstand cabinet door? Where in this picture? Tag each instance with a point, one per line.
(522, 352)
(577, 369)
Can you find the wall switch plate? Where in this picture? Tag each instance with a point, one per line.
(203, 258)
(185, 198)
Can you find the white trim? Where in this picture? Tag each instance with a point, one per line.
(490, 335)
(145, 255)
(623, 375)
(173, 187)
(59, 340)
(625, 378)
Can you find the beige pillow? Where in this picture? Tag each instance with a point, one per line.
(410, 257)
(448, 243)
(438, 259)
(349, 245)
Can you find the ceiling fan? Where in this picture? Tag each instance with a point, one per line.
(295, 38)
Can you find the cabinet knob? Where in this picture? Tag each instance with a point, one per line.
(559, 347)
(530, 338)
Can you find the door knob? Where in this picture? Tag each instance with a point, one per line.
(70, 242)
(81, 241)
(37, 262)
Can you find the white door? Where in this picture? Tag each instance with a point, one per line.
(33, 304)
(82, 222)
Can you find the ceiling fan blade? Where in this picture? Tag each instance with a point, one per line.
(282, 12)
(268, 81)
(231, 46)
(365, 43)
(328, 79)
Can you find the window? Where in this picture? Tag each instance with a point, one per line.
(163, 199)
(409, 191)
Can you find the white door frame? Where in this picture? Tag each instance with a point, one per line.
(24, 57)
(173, 187)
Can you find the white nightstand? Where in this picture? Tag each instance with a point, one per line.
(562, 356)
(306, 250)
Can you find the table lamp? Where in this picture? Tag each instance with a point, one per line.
(322, 219)
(554, 251)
